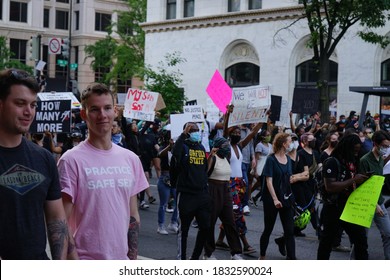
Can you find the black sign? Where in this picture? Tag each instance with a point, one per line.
(191, 102)
(305, 101)
(53, 115)
(276, 106)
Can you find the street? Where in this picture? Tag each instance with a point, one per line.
(163, 247)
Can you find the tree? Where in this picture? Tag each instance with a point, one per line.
(328, 22)
(6, 60)
(167, 82)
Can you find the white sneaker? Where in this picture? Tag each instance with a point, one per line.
(237, 257)
(246, 210)
(143, 205)
(212, 257)
(173, 227)
(162, 230)
(169, 210)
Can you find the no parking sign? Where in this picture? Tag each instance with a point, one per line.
(54, 45)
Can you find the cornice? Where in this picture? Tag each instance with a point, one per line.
(236, 18)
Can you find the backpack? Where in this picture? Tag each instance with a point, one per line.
(329, 198)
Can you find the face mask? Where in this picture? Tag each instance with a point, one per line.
(382, 151)
(312, 144)
(195, 136)
(224, 152)
(362, 139)
(267, 139)
(296, 144)
(234, 139)
(290, 148)
(343, 120)
(369, 135)
(333, 143)
(116, 138)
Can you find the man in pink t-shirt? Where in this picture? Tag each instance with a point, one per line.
(100, 182)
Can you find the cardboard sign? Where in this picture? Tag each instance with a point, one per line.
(305, 100)
(160, 103)
(177, 122)
(250, 105)
(196, 113)
(219, 91)
(54, 116)
(276, 106)
(361, 204)
(51, 96)
(140, 104)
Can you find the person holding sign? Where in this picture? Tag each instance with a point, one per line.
(372, 163)
(341, 178)
(100, 182)
(30, 194)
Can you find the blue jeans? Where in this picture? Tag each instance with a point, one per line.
(383, 224)
(164, 193)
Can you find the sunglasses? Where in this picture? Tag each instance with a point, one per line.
(19, 75)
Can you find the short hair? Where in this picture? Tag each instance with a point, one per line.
(279, 140)
(95, 88)
(10, 77)
(379, 136)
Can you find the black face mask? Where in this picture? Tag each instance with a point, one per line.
(312, 144)
(234, 139)
(333, 143)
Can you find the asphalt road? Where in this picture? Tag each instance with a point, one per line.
(163, 247)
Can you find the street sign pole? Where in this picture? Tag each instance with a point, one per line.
(70, 46)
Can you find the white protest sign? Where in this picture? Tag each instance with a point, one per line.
(177, 123)
(284, 119)
(195, 111)
(140, 104)
(250, 105)
(40, 65)
(49, 96)
(212, 110)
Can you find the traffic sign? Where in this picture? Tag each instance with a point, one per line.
(73, 66)
(62, 62)
(54, 45)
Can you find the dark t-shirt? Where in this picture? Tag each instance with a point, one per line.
(28, 178)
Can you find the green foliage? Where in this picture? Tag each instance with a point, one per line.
(6, 60)
(166, 81)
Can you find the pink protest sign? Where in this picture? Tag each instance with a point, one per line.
(219, 91)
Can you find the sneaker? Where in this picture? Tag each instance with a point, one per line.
(254, 201)
(143, 205)
(173, 227)
(299, 234)
(281, 245)
(246, 210)
(162, 230)
(211, 257)
(237, 257)
(222, 246)
(194, 224)
(169, 210)
(152, 200)
(341, 248)
(249, 250)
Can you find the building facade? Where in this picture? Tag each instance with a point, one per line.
(249, 43)
(84, 21)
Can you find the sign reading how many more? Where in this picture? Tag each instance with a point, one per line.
(54, 116)
(140, 104)
(250, 105)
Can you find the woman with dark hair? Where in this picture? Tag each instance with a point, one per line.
(277, 196)
(341, 179)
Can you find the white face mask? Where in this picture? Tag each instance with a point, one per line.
(383, 151)
(296, 144)
(290, 148)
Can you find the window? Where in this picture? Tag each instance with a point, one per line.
(100, 72)
(102, 21)
(18, 11)
(255, 4)
(306, 72)
(171, 9)
(123, 86)
(46, 16)
(77, 20)
(18, 49)
(233, 5)
(63, 1)
(243, 75)
(62, 20)
(189, 7)
(1, 9)
(385, 82)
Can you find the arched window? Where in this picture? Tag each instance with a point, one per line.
(242, 75)
(385, 73)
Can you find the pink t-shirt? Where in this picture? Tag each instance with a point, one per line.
(101, 183)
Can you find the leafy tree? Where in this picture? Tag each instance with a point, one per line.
(6, 60)
(166, 82)
(329, 20)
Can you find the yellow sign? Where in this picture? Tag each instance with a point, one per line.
(361, 204)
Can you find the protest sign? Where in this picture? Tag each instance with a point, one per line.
(219, 91)
(212, 111)
(140, 104)
(250, 105)
(54, 95)
(54, 116)
(160, 103)
(195, 111)
(361, 204)
(191, 102)
(276, 106)
(284, 119)
(177, 123)
(305, 100)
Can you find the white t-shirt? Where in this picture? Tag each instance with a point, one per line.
(100, 183)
